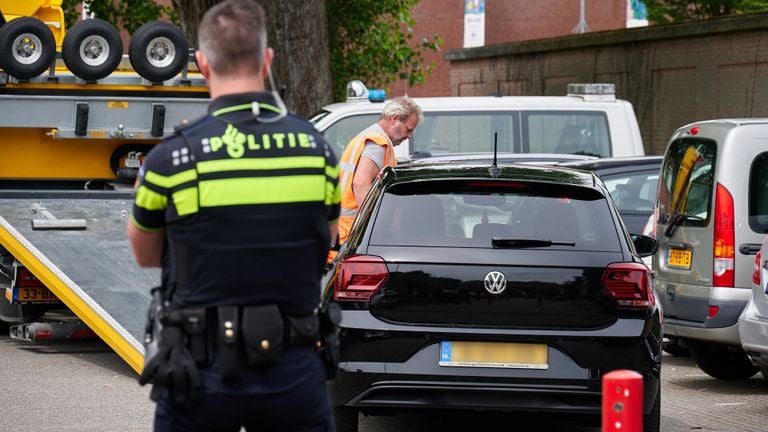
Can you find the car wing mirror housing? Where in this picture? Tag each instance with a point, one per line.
(645, 245)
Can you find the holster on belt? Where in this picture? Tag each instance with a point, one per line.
(228, 330)
(193, 322)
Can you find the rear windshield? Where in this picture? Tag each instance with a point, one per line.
(471, 213)
(758, 194)
(687, 177)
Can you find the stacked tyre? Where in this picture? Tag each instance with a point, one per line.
(92, 49)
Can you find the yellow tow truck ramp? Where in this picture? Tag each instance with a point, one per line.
(89, 268)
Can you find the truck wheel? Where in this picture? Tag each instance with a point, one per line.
(158, 51)
(27, 47)
(722, 362)
(92, 49)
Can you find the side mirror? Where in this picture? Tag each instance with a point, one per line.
(645, 245)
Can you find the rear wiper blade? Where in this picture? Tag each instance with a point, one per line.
(506, 242)
(678, 220)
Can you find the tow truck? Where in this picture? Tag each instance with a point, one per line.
(77, 117)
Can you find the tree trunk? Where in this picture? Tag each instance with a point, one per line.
(298, 32)
(190, 13)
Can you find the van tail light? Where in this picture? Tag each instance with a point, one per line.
(360, 277)
(724, 244)
(629, 284)
(25, 278)
(756, 270)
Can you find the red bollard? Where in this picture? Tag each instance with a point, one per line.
(622, 401)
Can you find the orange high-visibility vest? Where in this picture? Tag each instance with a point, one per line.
(349, 160)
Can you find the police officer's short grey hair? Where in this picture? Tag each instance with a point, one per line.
(233, 36)
(402, 107)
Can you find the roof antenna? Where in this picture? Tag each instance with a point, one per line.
(494, 170)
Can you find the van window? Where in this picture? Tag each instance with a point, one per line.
(758, 194)
(465, 132)
(687, 177)
(574, 132)
(340, 133)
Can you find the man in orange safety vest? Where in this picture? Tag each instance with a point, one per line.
(369, 152)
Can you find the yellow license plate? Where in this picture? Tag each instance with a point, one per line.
(494, 355)
(35, 295)
(679, 258)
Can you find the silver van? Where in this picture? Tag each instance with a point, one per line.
(711, 217)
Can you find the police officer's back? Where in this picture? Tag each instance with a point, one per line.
(238, 208)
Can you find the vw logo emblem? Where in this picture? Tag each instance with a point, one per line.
(495, 282)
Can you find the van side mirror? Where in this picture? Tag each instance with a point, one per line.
(645, 245)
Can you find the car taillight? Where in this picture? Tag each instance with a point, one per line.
(360, 277)
(724, 244)
(756, 270)
(629, 284)
(25, 278)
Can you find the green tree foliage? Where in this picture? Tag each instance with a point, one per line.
(669, 11)
(127, 14)
(372, 41)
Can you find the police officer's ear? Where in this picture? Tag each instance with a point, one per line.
(269, 54)
(202, 64)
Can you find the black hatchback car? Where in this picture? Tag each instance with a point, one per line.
(511, 288)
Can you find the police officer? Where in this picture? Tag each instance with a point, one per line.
(238, 208)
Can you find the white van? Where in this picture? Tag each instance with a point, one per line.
(588, 121)
(711, 217)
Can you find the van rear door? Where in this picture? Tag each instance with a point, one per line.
(686, 197)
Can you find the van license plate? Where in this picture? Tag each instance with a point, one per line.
(679, 258)
(494, 355)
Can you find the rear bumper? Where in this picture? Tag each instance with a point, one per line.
(377, 392)
(753, 330)
(698, 331)
(686, 312)
(383, 392)
(399, 368)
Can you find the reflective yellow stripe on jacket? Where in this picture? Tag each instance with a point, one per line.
(349, 160)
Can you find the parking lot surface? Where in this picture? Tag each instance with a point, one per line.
(86, 387)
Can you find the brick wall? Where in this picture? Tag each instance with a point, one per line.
(672, 75)
(505, 21)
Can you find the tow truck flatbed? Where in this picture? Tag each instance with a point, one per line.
(90, 270)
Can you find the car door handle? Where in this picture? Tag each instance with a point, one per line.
(749, 248)
(675, 245)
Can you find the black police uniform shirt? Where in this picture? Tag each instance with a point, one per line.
(245, 204)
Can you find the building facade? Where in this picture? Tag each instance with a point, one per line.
(505, 21)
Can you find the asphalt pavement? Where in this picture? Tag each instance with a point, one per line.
(69, 386)
(84, 386)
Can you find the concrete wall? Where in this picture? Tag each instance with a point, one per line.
(672, 74)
